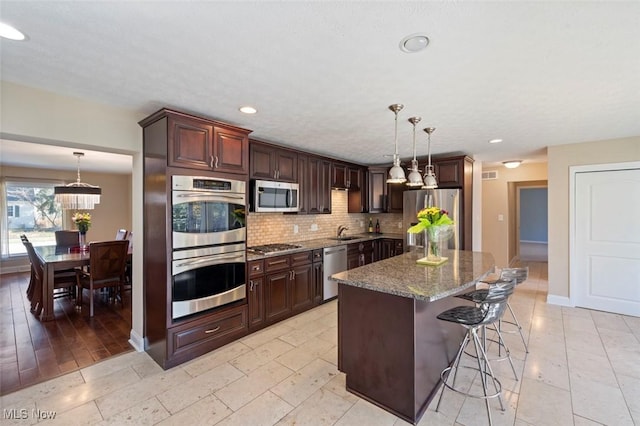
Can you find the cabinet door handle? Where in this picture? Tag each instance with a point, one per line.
(216, 166)
(250, 285)
(211, 161)
(212, 330)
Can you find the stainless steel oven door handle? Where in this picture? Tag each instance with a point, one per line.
(184, 265)
(184, 196)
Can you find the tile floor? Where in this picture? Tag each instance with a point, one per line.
(583, 369)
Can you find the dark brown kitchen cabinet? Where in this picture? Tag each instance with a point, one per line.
(384, 197)
(177, 143)
(339, 175)
(358, 194)
(197, 143)
(360, 254)
(271, 163)
(255, 295)
(318, 276)
(389, 247)
(318, 193)
(288, 285)
(303, 183)
(377, 190)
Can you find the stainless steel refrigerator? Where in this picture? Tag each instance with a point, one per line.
(416, 200)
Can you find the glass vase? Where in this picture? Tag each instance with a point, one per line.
(432, 244)
(82, 241)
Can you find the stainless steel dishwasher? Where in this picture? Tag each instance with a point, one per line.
(335, 260)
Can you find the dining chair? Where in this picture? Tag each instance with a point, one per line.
(121, 234)
(66, 238)
(107, 261)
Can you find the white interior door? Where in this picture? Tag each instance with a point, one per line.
(606, 261)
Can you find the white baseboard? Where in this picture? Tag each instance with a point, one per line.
(559, 300)
(136, 341)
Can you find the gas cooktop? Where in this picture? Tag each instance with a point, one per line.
(272, 248)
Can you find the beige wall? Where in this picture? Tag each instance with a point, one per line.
(560, 158)
(495, 202)
(113, 212)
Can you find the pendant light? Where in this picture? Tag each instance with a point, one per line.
(78, 195)
(415, 178)
(430, 181)
(396, 173)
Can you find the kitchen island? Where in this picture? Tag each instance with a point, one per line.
(391, 346)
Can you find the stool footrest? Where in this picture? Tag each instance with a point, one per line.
(497, 383)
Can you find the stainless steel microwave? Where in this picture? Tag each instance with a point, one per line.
(268, 196)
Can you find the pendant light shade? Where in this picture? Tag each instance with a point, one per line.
(415, 178)
(78, 195)
(430, 181)
(396, 173)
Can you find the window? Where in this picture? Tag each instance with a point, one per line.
(31, 210)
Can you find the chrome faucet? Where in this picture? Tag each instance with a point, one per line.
(341, 230)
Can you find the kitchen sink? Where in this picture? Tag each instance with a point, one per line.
(344, 238)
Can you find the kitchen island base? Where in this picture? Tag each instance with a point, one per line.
(393, 348)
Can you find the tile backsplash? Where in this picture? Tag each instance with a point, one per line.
(265, 228)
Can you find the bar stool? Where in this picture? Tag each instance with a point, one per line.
(475, 319)
(506, 274)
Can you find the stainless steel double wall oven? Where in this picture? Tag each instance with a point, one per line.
(209, 243)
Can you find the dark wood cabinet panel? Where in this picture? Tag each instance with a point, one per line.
(201, 144)
(390, 247)
(358, 194)
(318, 277)
(395, 197)
(271, 163)
(303, 183)
(277, 295)
(339, 175)
(319, 194)
(302, 288)
(255, 294)
(377, 190)
(231, 151)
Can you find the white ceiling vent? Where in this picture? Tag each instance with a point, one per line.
(490, 175)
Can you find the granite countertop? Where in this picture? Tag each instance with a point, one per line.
(402, 276)
(320, 243)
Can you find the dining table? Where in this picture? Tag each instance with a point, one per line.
(57, 258)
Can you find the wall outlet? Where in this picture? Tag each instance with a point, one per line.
(500, 218)
(362, 224)
(400, 225)
(314, 226)
(295, 229)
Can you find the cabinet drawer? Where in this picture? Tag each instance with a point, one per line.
(276, 263)
(256, 268)
(303, 258)
(317, 255)
(210, 332)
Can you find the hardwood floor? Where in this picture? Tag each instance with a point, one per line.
(32, 351)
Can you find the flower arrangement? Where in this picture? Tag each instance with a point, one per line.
(431, 216)
(82, 221)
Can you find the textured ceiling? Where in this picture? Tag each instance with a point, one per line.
(322, 74)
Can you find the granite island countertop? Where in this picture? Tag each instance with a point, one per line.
(402, 276)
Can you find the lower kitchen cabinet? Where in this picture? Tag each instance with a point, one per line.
(318, 276)
(388, 247)
(195, 338)
(360, 254)
(281, 286)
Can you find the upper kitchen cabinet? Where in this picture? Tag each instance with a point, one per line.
(383, 197)
(317, 193)
(199, 143)
(453, 172)
(272, 163)
(357, 186)
(339, 176)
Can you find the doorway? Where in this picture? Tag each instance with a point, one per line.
(532, 224)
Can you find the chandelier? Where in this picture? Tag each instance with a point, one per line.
(429, 175)
(78, 195)
(415, 178)
(396, 173)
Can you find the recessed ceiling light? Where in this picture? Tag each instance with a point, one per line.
(248, 110)
(495, 141)
(414, 43)
(7, 31)
(512, 164)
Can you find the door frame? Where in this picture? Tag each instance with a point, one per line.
(573, 172)
(513, 205)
